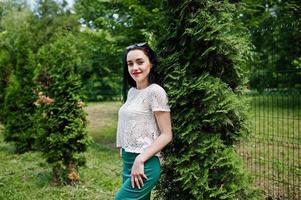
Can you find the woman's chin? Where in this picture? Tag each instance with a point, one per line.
(137, 79)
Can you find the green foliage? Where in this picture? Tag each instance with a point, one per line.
(5, 71)
(208, 167)
(100, 70)
(204, 52)
(111, 26)
(209, 171)
(17, 65)
(219, 111)
(64, 137)
(275, 28)
(52, 21)
(128, 21)
(19, 127)
(23, 33)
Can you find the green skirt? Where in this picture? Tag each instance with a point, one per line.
(151, 170)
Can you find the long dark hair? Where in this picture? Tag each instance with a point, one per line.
(128, 81)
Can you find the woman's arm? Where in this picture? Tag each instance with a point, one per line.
(119, 151)
(164, 123)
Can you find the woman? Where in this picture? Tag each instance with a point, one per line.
(144, 125)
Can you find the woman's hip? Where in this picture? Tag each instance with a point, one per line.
(151, 166)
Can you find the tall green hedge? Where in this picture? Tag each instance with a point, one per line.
(204, 52)
(63, 136)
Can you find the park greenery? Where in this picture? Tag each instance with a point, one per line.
(54, 59)
(62, 135)
(202, 162)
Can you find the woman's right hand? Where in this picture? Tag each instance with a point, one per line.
(137, 173)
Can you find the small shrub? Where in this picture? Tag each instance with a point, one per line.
(64, 137)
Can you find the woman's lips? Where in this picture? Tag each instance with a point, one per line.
(136, 73)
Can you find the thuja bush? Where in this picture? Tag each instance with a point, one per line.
(18, 108)
(201, 162)
(204, 55)
(5, 71)
(19, 114)
(16, 93)
(63, 136)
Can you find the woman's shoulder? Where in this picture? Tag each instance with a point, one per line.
(157, 87)
(131, 88)
(157, 90)
(130, 91)
(158, 98)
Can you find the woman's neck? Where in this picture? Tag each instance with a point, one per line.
(142, 85)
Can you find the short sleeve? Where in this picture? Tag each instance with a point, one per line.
(158, 99)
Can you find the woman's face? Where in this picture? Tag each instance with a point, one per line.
(139, 65)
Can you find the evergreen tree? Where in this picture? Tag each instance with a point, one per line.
(203, 68)
(63, 136)
(5, 71)
(22, 36)
(16, 79)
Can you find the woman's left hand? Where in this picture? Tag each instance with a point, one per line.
(137, 173)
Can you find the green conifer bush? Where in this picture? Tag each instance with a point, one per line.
(17, 68)
(64, 137)
(5, 71)
(204, 54)
(19, 114)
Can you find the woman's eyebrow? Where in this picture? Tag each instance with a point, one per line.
(138, 59)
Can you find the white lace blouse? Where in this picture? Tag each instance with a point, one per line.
(137, 128)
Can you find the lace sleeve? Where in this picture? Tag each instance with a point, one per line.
(158, 99)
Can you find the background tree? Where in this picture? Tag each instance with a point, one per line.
(101, 80)
(111, 27)
(203, 52)
(17, 72)
(53, 20)
(63, 138)
(6, 49)
(23, 33)
(275, 27)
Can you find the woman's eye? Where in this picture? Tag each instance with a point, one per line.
(140, 63)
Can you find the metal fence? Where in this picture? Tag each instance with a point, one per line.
(273, 153)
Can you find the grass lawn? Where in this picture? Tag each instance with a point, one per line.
(272, 155)
(28, 176)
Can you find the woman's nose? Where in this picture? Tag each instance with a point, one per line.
(135, 66)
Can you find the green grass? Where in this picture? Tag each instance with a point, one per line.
(28, 176)
(273, 155)
(103, 122)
